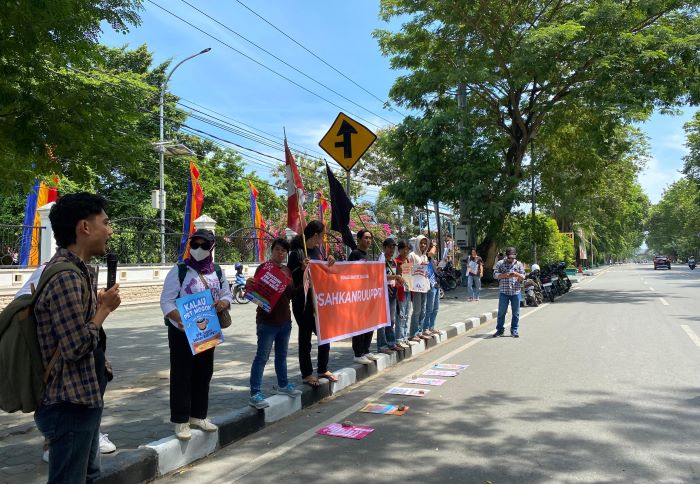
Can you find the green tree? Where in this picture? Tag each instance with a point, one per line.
(692, 159)
(52, 118)
(672, 227)
(516, 66)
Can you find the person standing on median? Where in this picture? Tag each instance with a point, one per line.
(388, 336)
(510, 274)
(69, 315)
(190, 374)
(419, 256)
(274, 327)
(362, 342)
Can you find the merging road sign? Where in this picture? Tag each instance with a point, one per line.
(347, 141)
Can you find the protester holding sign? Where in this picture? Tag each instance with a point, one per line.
(274, 324)
(362, 342)
(403, 293)
(190, 374)
(302, 304)
(419, 286)
(387, 336)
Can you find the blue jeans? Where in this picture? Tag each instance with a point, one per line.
(268, 334)
(386, 338)
(404, 307)
(503, 301)
(474, 286)
(418, 315)
(73, 432)
(432, 304)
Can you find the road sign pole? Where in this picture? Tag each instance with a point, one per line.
(347, 190)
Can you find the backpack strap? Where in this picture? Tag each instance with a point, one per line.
(219, 274)
(181, 272)
(46, 276)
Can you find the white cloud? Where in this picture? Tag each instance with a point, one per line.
(655, 178)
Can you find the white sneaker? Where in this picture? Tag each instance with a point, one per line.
(372, 356)
(45, 457)
(362, 359)
(182, 431)
(106, 445)
(203, 424)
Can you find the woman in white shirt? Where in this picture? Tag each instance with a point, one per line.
(190, 374)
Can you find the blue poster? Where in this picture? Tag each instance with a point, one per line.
(200, 321)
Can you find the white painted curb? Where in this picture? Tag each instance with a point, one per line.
(174, 453)
(346, 377)
(281, 406)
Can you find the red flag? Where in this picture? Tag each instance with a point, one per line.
(295, 191)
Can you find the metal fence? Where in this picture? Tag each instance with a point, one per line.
(11, 243)
(136, 241)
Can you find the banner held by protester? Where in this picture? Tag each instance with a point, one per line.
(350, 298)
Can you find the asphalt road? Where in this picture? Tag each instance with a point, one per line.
(602, 386)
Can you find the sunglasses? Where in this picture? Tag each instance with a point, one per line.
(204, 245)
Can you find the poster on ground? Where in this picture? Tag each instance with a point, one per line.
(269, 283)
(350, 298)
(412, 392)
(355, 432)
(426, 381)
(450, 366)
(200, 321)
(385, 409)
(448, 373)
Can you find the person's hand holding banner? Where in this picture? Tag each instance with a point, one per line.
(350, 298)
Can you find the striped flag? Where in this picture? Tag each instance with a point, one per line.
(39, 196)
(258, 224)
(193, 208)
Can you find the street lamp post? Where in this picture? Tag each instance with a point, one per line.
(161, 152)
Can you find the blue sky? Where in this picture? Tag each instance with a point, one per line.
(338, 32)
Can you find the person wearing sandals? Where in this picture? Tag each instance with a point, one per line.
(475, 271)
(403, 297)
(302, 305)
(274, 327)
(190, 374)
(387, 336)
(418, 256)
(432, 303)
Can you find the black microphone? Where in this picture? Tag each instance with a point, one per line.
(111, 269)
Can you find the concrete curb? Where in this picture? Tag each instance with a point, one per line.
(155, 459)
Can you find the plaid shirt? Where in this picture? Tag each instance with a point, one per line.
(509, 285)
(64, 316)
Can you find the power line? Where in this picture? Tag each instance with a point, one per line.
(286, 63)
(385, 103)
(313, 93)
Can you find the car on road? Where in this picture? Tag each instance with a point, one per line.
(662, 261)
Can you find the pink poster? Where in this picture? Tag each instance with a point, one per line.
(269, 284)
(355, 432)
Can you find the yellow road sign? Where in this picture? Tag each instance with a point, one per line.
(347, 141)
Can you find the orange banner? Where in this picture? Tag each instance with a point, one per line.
(350, 298)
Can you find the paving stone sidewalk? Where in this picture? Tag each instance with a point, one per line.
(136, 403)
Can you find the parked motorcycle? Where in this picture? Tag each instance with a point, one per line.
(564, 280)
(448, 277)
(531, 287)
(549, 290)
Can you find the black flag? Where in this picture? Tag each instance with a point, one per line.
(340, 209)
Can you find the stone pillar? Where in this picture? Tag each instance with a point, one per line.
(47, 246)
(207, 223)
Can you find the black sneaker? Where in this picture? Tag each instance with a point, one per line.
(497, 334)
(515, 335)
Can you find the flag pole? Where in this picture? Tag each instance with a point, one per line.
(301, 219)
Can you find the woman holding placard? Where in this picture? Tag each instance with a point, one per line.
(190, 374)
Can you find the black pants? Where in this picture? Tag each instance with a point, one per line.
(189, 378)
(307, 327)
(361, 343)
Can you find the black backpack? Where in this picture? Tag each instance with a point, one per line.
(22, 373)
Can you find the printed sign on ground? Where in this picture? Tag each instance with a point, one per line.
(268, 285)
(450, 366)
(385, 409)
(200, 321)
(449, 373)
(413, 392)
(356, 432)
(426, 381)
(350, 298)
